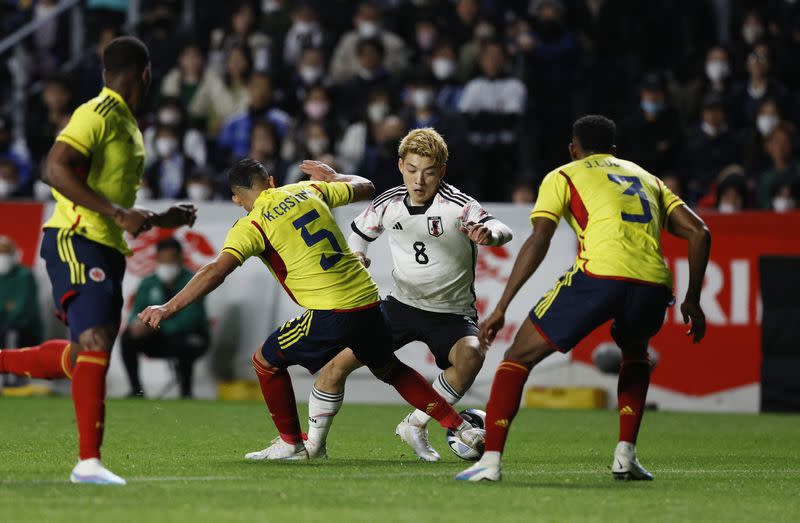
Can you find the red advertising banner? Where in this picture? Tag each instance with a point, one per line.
(730, 355)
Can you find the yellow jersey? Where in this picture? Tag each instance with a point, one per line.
(292, 230)
(617, 209)
(105, 131)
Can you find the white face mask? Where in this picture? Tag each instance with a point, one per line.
(7, 187)
(316, 109)
(309, 73)
(751, 33)
(782, 204)
(198, 192)
(317, 146)
(726, 208)
(42, 191)
(443, 68)
(166, 146)
(766, 123)
(167, 272)
(422, 98)
(368, 29)
(7, 263)
(377, 112)
(717, 70)
(303, 27)
(169, 117)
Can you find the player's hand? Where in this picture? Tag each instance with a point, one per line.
(490, 327)
(363, 258)
(153, 315)
(176, 216)
(137, 329)
(133, 221)
(477, 232)
(692, 312)
(319, 171)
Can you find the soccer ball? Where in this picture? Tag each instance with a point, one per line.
(476, 418)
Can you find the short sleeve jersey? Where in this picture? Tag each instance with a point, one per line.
(433, 261)
(292, 231)
(617, 209)
(106, 132)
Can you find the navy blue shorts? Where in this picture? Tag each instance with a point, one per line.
(578, 304)
(313, 339)
(86, 278)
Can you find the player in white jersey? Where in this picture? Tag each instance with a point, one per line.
(434, 230)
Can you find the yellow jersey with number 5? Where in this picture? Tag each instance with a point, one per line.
(618, 210)
(292, 231)
(106, 132)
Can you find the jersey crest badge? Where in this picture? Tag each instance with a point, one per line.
(435, 228)
(97, 274)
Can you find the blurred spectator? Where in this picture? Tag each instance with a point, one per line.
(240, 30)
(191, 143)
(461, 23)
(51, 39)
(183, 82)
(379, 164)
(443, 65)
(305, 32)
(716, 78)
(651, 137)
(316, 144)
(234, 139)
(784, 170)
(732, 191)
(523, 194)
(14, 151)
(167, 175)
(265, 147)
(347, 57)
(200, 185)
(10, 186)
(785, 197)
(426, 34)
(104, 14)
(317, 110)
(483, 33)
(159, 30)
(710, 146)
(755, 158)
(309, 72)
(88, 76)
(493, 104)
(371, 76)
(48, 115)
(20, 320)
(746, 96)
(183, 338)
(358, 135)
(220, 97)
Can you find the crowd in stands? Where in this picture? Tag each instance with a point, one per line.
(705, 93)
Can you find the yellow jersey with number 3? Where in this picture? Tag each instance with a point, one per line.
(617, 209)
(292, 231)
(106, 132)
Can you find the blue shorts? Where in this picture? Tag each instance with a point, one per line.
(313, 339)
(86, 278)
(578, 304)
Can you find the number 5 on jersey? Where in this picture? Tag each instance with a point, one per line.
(311, 239)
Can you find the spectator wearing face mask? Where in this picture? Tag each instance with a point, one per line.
(371, 76)
(755, 158)
(784, 168)
(315, 144)
(234, 138)
(346, 62)
(357, 135)
(425, 36)
(168, 173)
(183, 82)
(308, 74)
(379, 164)
(652, 135)
(316, 111)
(732, 192)
(483, 33)
(785, 197)
(15, 152)
(760, 85)
(305, 32)
(20, 320)
(265, 147)
(240, 31)
(200, 185)
(715, 78)
(10, 182)
(220, 97)
(710, 146)
(160, 30)
(442, 66)
(46, 116)
(752, 30)
(183, 338)
(191, 142)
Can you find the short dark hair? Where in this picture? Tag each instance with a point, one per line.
(373, 42)
(595, 132)
(246, 172)
(125, 52)
(169, 243)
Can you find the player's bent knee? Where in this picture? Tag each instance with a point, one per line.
(96, 339)
(260, 360)
(468, 358)
(386, 372)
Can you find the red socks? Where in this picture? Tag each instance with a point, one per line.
(504, 400)
(276, 387)
(89, 397)
(634, 379)
(419, 393)
(50, 360)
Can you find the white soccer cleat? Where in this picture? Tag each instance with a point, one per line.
(279, 450)
(315, 450)
(485, 469)
(626, 466)
(92, 471)
(417, 438)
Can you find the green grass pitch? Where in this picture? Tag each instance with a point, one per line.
(184, 462)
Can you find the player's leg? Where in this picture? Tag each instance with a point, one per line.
(326, 399)
(49, 360)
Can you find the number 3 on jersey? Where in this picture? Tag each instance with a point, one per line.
(311, 239)
(634, 189)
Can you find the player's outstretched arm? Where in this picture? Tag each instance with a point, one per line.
(175, 216)
(493, 232)
(363, 189)
(359, 247)
(684, 223)
(528, 260)
(61, 172)
(208, 278)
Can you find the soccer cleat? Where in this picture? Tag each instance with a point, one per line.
(92, 471)
(417, 438)
(626, 466)
(279, 449)
(315, 450)
(485, 469)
